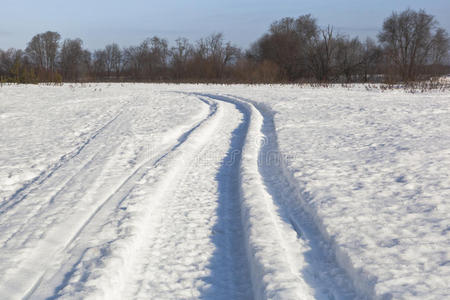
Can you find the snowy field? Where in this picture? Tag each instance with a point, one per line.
(141, 191)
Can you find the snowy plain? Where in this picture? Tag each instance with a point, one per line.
(137, 191)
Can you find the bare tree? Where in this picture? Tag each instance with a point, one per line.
(349, 57)
(157, 58)
(72, 59)
(86, 64)
(408, 39)
(113, 60)
(134, 57)
(180, 55)
(287, 45)
(211, 57)
(149, 60)
(10, 62)
(372, 57)
(43, 50)
(51, 45)
(99, 63)
(283, 46)
(35, 51)
(440, 47)
(321, 54)
(209, 54)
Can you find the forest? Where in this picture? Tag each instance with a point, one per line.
(409, 47)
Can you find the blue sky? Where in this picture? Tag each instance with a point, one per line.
(128, 22)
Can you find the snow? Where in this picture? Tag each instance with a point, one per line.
(164, 191)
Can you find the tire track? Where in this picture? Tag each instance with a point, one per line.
(25, 224)
(322, 272)
(289, 257)
(36, 182)
(209, 219)
(71, 257)
(159, 185)
(157, 213)
(86, 185)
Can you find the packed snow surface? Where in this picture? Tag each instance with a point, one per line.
(145, 191)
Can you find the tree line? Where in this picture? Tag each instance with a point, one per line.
(410, 46)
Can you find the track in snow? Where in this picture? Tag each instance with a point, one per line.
(213, 215)
(302, 265)
(42, 229)
(30, 186)
(199, 203)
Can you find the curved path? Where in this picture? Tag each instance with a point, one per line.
(212, 214)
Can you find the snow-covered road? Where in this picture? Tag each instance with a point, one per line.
(164, 193)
